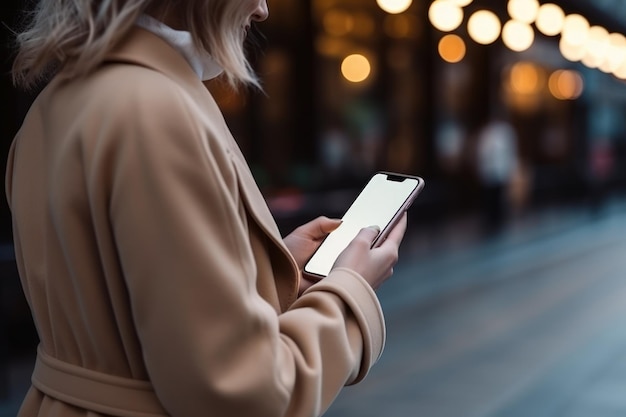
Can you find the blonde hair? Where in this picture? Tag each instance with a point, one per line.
(76, 35)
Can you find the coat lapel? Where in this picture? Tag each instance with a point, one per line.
(284, 265)
(146, 49)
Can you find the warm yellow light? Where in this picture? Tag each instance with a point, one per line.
(575, 29)
(332, 47)
(571, 52)
(452, 48)
(596, 47)
(445, 15)
(523, 10)
(401, 26)
(364, 25)
(462, 3)
(525, 78)
(394, 6)
(517, 36)
(484, 27)
(550, 19)
(566, 84)
(356, 68)
(337, 23)
(616, 53)
(621, 72)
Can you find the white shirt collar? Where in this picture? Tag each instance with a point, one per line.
(201, 62)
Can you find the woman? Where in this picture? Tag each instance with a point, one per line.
(156, 275)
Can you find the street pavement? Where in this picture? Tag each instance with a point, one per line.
(528, 324)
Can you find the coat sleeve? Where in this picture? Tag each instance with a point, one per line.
(211, 344)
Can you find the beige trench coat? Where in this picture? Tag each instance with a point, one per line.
(156, 275)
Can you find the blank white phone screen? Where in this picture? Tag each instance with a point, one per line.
(377, 204)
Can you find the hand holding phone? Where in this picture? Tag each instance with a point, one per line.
(375, 264)
(382, 202)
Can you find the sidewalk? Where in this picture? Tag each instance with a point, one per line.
(526, 323)
(428, 255)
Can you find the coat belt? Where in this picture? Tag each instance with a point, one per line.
(95, 391)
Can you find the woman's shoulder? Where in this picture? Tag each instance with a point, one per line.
(133, 85)
(137, 96)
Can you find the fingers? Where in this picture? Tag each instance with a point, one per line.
(318, 228)
(397, 233)
(368, 234)
(375, 265)
(326, 225)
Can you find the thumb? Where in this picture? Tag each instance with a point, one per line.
(369, 233)
(328, 225)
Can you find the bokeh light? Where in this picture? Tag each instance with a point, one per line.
(621, 72)
(550, 19)
(575, 29)
(364, 25)
(616, 54)
(517, 36)
(394, 6)
(571, 52)
(452, 48)
(566, 84)
(401, 26)
(332, 47)
(337, 22)
(356, 68)
(523, 10)
(484, 27)
(525, 78)
(445, 15)
(597, 46)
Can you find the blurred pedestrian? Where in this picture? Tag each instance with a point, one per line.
(156, 275)
(601, 165)
(496, 166)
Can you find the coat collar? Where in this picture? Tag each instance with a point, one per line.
(201, 61)
(144, 48)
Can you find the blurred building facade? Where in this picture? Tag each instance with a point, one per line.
(356, 86)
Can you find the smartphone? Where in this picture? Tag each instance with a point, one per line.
(381, 203)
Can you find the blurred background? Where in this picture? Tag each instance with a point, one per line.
(509, 295)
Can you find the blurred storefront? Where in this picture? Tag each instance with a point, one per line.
(354, 86)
